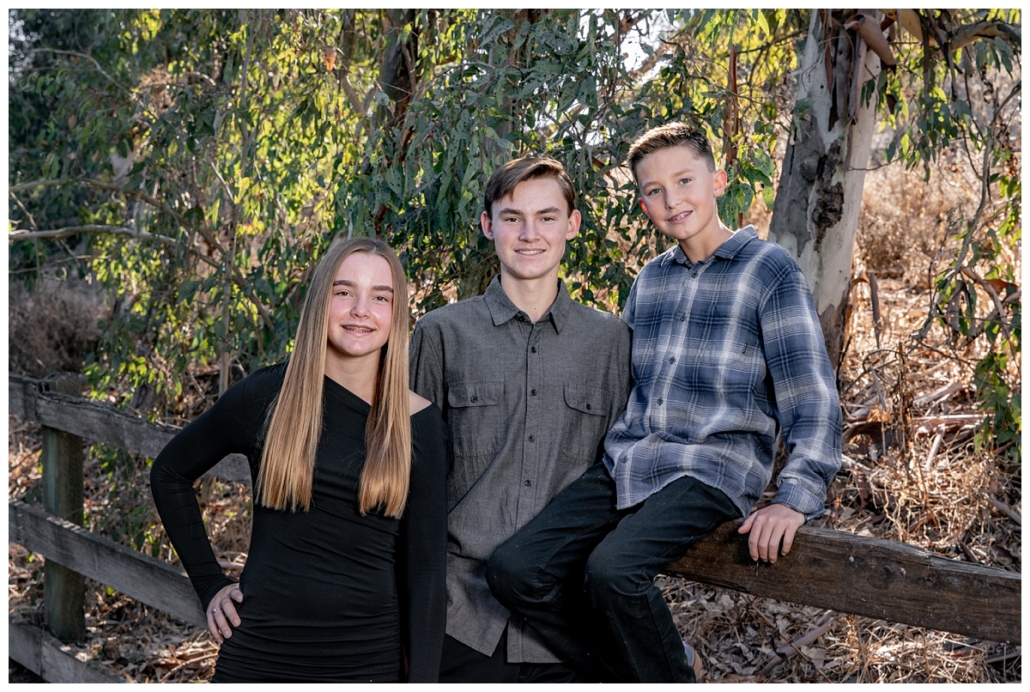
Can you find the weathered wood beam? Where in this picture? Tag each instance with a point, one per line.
(64, 594)
(21, 396)
(139, 576)
(828, 569)
(865, 576)
(50, 659)
(99, 422)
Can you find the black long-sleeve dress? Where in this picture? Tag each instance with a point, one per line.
(329, 595)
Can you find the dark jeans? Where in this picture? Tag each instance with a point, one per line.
(462, 663)
(581, 574)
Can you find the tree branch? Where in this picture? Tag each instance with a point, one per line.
(98, 185)
(88, 228)
(975, 278)
(964, 35)
(87, 57)
(37, 183)
(352, 96)
(68, 231)
(985, 178)
(237, 278)
(200, 75)
(26, 211)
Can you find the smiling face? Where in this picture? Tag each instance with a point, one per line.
(529, 228)
(678, 193)
(360, 308)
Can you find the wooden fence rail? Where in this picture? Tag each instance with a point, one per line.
(828, 569)
(866, 576)
(51, 660)
(99, 422)
(139, 576)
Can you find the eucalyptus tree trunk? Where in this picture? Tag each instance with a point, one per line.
(820, 188)
(399, 78)
(398, 72)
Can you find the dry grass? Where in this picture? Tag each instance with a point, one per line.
(53, 329)
(913, 476)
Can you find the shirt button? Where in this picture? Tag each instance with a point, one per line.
(672, 359)
(532, 438)
(474, 399)
(533, 349)
(660, 402)
(533, 392)
(528, 483)
(588, 407)
(693, 274)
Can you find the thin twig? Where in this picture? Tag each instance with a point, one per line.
(185, 664)
(1006, 510)
(972, 275)
(823, 624)
(985, 186)
(969, 553)
(87, 57)
(57, 233)
(201, 75)
(1014, 653)
(933, 397)
(98, 185)
(237, 278)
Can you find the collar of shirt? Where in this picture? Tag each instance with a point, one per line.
(502, 309)
(728, 250)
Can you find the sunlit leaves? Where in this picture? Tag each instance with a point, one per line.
(258, 135)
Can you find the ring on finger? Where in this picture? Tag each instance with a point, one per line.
(216, 610)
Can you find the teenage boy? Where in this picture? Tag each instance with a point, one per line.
(529, 381)
(727, 350)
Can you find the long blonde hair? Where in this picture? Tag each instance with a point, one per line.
(295, 419)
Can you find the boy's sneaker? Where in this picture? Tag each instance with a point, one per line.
(693, 660)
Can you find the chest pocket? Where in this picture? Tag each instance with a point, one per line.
(476, 417)
(586, 417)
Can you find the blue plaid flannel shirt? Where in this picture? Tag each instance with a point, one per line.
(724, 352)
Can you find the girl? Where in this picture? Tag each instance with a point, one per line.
(344, 580)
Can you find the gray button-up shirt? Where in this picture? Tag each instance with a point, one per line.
(528, 405)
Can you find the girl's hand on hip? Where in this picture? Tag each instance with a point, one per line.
(221, 611)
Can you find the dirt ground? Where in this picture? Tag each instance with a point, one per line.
(972, 496)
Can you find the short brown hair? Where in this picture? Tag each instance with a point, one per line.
(670, 135)
(505, 178)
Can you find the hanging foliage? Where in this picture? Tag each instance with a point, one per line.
(200, 161)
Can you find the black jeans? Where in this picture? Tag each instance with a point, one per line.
(581, 574)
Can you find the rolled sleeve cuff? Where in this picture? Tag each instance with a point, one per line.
(801, 499)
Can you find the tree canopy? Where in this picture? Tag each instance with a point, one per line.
(198, 162)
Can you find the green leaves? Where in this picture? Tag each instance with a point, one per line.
(252, 149)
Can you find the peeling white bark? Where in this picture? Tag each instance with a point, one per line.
(824, 173)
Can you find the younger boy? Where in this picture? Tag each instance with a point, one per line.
(727, 349)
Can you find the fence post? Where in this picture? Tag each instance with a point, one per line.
(64, 592)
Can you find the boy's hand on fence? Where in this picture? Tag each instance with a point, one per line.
(768, 527)
(221, 611)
